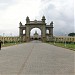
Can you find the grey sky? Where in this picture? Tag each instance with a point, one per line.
(61, 12)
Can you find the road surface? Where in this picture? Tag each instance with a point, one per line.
(36, 58)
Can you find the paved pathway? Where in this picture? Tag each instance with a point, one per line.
(36, 58)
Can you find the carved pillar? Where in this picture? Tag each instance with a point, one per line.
(43, 33)
(51, 24)
(20, 29)
(52, 32)
(21, 34)
(27, 34)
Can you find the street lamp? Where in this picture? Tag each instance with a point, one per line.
(3, 38)
(65, 39)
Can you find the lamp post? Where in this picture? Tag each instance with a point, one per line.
(3, 38)
(65, 39)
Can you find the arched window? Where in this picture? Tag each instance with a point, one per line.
(23, 31)
(47, 31)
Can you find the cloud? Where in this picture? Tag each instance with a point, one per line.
(62, 13)
(10, 18)
(14, 11)
(4, 4)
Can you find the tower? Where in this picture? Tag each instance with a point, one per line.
(27, 19)
(43, 19)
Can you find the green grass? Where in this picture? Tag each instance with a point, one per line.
(9, 44)
(69, 46)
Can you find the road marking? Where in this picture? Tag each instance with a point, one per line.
(23, 65)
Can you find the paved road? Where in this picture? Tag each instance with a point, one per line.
(36, 58)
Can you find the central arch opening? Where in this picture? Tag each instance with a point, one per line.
(35, 34)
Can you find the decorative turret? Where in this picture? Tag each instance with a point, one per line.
(20, 24)
(51, 24)
(27, 19)
(43, 19)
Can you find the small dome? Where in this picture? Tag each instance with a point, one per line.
(43, 17)
(20, 23)
(35, 20)
(51, 23)
(27, 17)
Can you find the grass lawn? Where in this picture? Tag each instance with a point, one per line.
(9, 44)
(69, 46)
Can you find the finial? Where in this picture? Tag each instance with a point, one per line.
(27, 19)
(43, 17)
(20, 23)
(51, 23)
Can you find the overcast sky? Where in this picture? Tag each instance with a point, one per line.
(61, 12)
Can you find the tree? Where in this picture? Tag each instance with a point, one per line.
(71, 34)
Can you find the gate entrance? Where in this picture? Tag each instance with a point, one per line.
(35, 24)
(35, 34)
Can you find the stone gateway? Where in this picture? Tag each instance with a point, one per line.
(24, 30)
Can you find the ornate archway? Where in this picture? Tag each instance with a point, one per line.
(35, 24)
(35, 34)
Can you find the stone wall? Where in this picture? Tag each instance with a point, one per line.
(64, 38)
(56, 39)
(10, 39)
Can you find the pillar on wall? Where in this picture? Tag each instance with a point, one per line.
(43, 19)
(20, 32)
(27, 20)
(51, 30)
(27, 34)
(43, 33)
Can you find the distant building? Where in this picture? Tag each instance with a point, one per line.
(36, 35)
